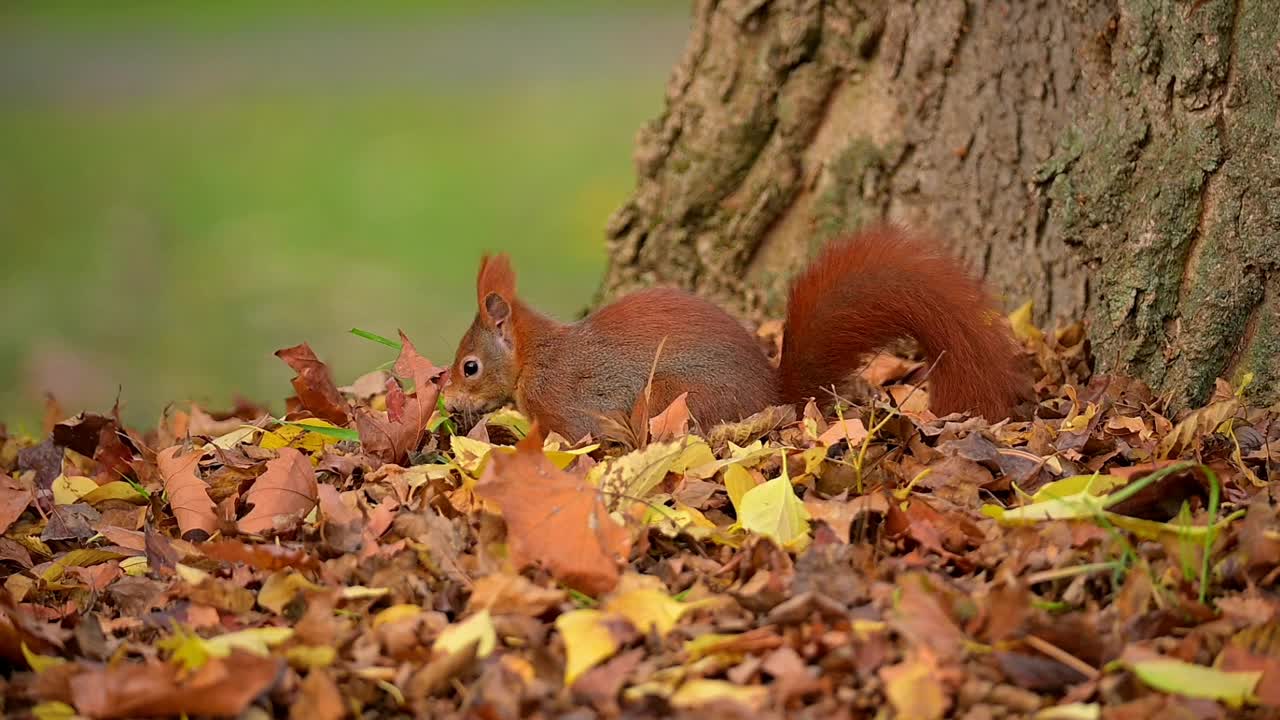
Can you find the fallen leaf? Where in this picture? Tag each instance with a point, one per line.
(648, 609)
(841, 514)
(773, 510)
(393, 435)
(850, 429)
(282, 495)
(1197, 681)
(314, 385)
(188, 494)
(318, 698)
(672, 422)
(913, 689)
(476, 630)
(701, 691)
(222, 687)
(14, 499)
(502, 593)
(554, 519)
(261, 556)
(588, 640)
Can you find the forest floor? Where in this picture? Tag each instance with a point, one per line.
(1109, 558)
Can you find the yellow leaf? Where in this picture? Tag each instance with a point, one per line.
(135, 566)
(1066, 487)
(308, 657)
(114, 490)
(913, 690)
(242, 434)
(258, 641)
(53, 710)
(745, 456)
(588, 641)
(471, 454)
(634, 475)
(773, 510)
(1024, 328)
(702, 691)
(39, 663)
(647, 608)
(672, 521)
(281, 588)
(1073, 711)
(738, 481)
(562, 458)
(396, 613)
(360, 592)
(80, 557)
(69, 490)
(191, 575)
(476, 629)
(511, 419)
(299, 438)
(1197, 681)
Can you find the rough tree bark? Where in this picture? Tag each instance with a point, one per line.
(1116, 160)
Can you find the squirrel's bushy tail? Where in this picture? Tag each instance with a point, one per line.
(885, 283)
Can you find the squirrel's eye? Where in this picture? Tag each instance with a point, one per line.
(470, 368)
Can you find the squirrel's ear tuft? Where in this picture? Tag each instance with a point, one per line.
(495, 277)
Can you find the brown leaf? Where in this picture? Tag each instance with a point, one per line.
(503, 594)
(260, 556)
(223, 687)
(14, 499)
(46, 460)
(920, 617)
(19, 627)
(318, 698)
(188, 494)
(554, 519)
(314, 385)
(841, 514)
(601, 685)
(672, 422)
(160, 553)
(391, 436)
(282, 495)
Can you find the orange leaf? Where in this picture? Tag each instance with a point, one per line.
(188, 494)
(262, 557)
(314, 384)
(672, 422)
(554, 518)
(223, 687)
(282, 495)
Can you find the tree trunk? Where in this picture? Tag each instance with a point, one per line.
(1116, 160)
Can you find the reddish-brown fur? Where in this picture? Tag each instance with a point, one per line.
(859, 294)
(884, 284)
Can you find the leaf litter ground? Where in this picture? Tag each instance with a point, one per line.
(359, 558)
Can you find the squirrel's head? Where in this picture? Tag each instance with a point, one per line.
(483, 374)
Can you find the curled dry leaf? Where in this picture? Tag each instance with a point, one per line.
(188, 494)
(260, 556)
(554, 519)
(282, 495)
(314, 385)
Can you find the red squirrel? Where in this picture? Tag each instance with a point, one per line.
(861, 292)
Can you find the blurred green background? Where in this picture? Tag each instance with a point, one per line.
(186, 187)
